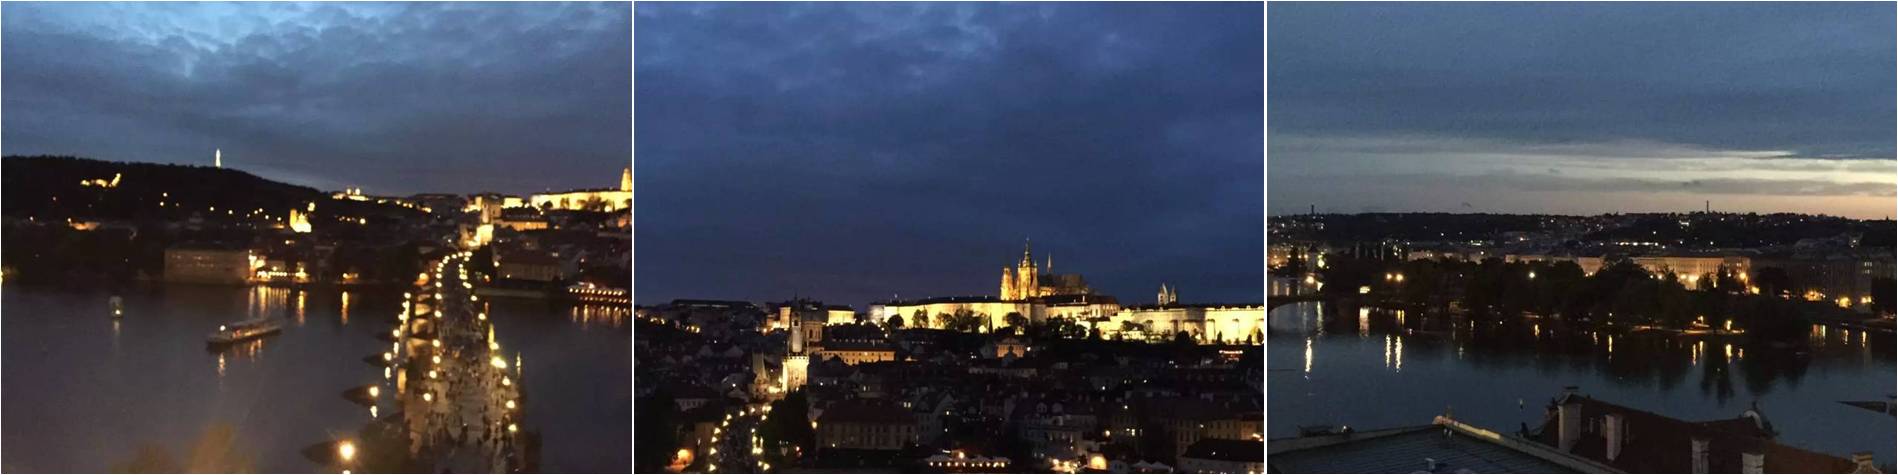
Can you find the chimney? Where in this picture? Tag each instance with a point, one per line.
(1569, 418)
(1614, 430)
(1700, 454)
(1752, 462)
(1862, 463)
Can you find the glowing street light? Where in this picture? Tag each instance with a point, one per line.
(346, 450)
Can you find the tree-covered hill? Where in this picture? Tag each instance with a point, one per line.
(51, 188)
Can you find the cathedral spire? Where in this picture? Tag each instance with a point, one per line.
(1027, 254)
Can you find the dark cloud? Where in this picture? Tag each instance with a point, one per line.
(1812, 78)
(855, 151)
(395, 98)
(1577, 85)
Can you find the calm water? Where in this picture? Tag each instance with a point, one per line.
(85, 394)
(1374, 369)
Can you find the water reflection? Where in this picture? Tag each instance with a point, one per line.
(1650, 358)
(588, 315)
(1387, 368)
(156, 380)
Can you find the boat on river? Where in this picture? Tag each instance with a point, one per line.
(239, 331)
(118, 306)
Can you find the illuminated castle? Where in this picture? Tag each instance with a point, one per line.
(1027, 281)
(608, 200)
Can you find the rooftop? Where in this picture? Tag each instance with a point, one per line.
(1445, 446)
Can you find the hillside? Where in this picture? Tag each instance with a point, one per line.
(55, 188)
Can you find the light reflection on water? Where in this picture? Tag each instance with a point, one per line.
(1385, 370)
(86, 393)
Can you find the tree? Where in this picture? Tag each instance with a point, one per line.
(787, 426)
(1773, 281)
(1131, 326)
(658, 432)
(920, 319)
(1883, 289)
(895, 322)
(1183, 338)
(1016, 320)
(963, 320)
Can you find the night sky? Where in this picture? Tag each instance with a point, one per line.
(1582, 108)
(393, 98)
(854, 152)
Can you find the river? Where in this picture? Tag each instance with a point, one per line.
(1371, 368)
(85, 393)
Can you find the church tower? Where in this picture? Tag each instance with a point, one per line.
(1028, 282)
(217, 158)
(1008, 286)
(626, 179)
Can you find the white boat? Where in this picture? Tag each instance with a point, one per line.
(244, 330)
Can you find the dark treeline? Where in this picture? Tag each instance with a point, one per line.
(1620, 294)
(1706, 230)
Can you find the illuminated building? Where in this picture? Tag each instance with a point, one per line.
(299, 222)
(993, 311)
(217, 158)
(103, 183)
(852, 344)
(804, 319)
(1695, 266)
(605, 199)
(209, 265)
(489, 205)
(527, 264)
(797, 371)
(851, 353)
(519, 223)
(1027, 281)
(1205, 322)
(839, 315)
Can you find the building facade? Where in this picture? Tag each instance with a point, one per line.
(210, 266)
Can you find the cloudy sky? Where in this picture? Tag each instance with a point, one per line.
(853, 152)
(394, 98)
(1581, 108)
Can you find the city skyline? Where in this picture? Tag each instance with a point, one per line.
(850, 153)
(393, 99)
(1581, 108)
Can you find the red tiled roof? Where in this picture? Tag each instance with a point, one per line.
(1659, 444)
